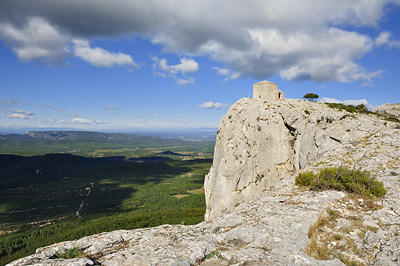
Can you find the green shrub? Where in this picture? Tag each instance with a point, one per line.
(392, 118)
(361, 108)
(306, 179)
(339, 178)
(212, 254)
(71, 253)
(341, 107)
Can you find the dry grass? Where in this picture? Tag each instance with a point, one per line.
(196, 191)
(179, 196)
(328, 241)
(320, 252)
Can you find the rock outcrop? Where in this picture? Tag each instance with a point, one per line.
(389, 109)
(260, 142)
(255, 214)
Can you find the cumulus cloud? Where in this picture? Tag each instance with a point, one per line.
(386, 38)
(299, 40)
(348, 102)
(110, 107)
(99, 57)
(20, 114)
(228, 74)
(185, 66)
(36, 39)
(212, 105)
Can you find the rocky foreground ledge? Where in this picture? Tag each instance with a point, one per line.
(263, 218)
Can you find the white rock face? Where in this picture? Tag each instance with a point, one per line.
(253, 151)
(260, 142)
(390, 109)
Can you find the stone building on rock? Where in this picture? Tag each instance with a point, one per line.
(267, 90)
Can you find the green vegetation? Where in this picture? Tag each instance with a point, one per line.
(70, 253)
(387, 117)
(124, 194)
(95, 144)
(361, 108)
(311, 96)
(339, 178)
(212, 254)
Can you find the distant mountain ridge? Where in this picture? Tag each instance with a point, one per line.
(88, 143)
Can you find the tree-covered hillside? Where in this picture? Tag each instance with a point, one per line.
(96, 144)
(67, 197)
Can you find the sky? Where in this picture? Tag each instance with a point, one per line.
(127, 65)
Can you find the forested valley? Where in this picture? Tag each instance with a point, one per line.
(49, 198)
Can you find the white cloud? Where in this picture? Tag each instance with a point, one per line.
(348, 102)
(299, 40)
(20, 114)
(228, 74)
(185, 66)
(81, 121)
(36, 39)
(212, 105)
(110, 107)
(184, 82)
(46, 105)
(329, 100)
(357, 102)
(13, 101)
(382, 38)
(99, 57)
(386, 38)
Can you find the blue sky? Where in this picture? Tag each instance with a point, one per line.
(138, 65)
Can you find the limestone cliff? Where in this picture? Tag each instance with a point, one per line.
(255, 214)
(260, 142)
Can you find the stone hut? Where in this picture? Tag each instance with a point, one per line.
(266, 90)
